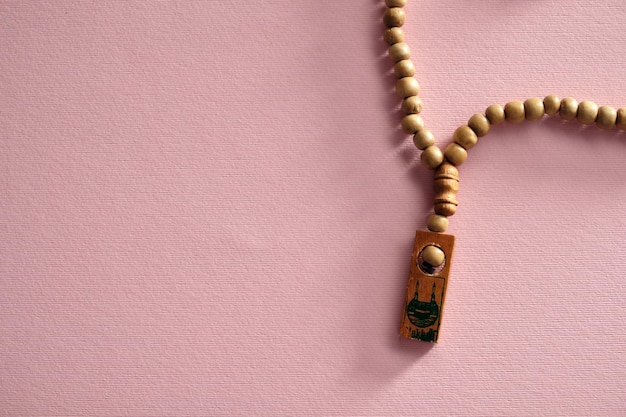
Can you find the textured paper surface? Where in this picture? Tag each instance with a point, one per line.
(207, 208)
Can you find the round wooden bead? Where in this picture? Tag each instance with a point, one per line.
(620, 122)
(456, 154)
(495, 114)
(394, 17)
(568, 108)
(399, 51)
(607, 116)
(423, 139)
(433, 255)
(514, 111)
(404, 68)
(407, 86)
(551, 104)
(479, 124)
(432, 157)
(587, 112)
(534, 108)
(395, 3)
(412, 123)
(437, 223)
(412, 104)
(465, 137)
(393, 35)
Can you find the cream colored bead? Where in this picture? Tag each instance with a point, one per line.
(433, 255)
(437, 223)
(404, 68)
(456, 154)
(423, 139)
(432, 157)
(495, 114)
(412, 123)
(479, 124)
(407, 86)
(394, 17)
(620, 122)
(395, 3)
(587, 112)
(607, 116)
(465, 137)
(412, 104)
(551, 104)
(568, 108)
(393, 35)
(399, 51)
(514, 111)
(534, 109)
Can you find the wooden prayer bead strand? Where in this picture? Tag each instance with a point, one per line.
(394, 17)
(568, 108)
(534, 109)
(514, 111)
(551, 104)
(479, 124)
(399, 51)
(495, 114)
(393, 35)
(412, 105)
(446, 186)
(587, 112)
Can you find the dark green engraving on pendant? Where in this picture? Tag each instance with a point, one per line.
(426, 315)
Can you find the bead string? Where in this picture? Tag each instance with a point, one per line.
(466, 137)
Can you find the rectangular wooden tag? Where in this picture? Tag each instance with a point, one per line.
(426, 290)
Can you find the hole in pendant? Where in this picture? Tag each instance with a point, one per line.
(431, 259)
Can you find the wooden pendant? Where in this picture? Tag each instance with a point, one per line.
(426, 290)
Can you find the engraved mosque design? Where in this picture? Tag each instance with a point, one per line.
(424, 314)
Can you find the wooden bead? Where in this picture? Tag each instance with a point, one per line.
(395, 3)
(412, 123)
(551, 104)
(432, 157)
(479, 124)
(437, 223)
(399, 51)
(587, 112)
(404, 68)
(534, 108)
(433, 255)
(423, 139)
(620, 122)
(446, 185)
(394, 17)
(393, 35)
(495, 114)
(456, 154)
(465, 137)
(568, 108)
(514, 111)
(407, 86)
(607, 116)
(412, 104)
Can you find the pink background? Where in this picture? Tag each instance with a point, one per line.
(207, 208)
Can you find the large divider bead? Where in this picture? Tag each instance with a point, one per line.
(446, 186)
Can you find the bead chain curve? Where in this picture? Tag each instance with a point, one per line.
(466, 137)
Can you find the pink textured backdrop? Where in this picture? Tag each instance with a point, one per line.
(207, 208)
